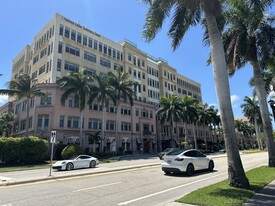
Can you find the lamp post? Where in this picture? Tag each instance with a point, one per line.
(272, 105)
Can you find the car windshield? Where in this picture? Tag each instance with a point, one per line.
(73, 157)
(175, 152)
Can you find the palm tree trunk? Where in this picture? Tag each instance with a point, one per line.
(103, 124)
(185, 137)
(81, 130)
(28, 116)
(236, 174)
(205, 140)
(117, 111)
(261, 94)
(132, 130)
(171, 133)
(194, 136)
(258, 134)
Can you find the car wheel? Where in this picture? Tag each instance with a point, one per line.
(92, 164)
(69, 166)
(211, 166)
(190, 170)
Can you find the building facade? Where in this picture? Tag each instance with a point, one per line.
(64, 46)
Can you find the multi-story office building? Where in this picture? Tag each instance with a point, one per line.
(64, 46)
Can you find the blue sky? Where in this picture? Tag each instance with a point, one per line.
(115, 19)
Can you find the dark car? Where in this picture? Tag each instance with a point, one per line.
(167, 150)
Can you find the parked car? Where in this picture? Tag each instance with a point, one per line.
(76, 162)
(167, 150)
(187, 161)
(222, 151)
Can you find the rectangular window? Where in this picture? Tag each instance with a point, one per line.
(71, 67)
(73, 122)
(105, 49)
(67, 32)
(35, 59)
(41, 69)
(72, 50)
(34, 75)
(95, 124)
(109, 51)
(61, 121)
(110, 125)
(137, 127)
(90, 72)
(73, 34)
(79, 37)
(114, 53)
(43, 122)
(90, 42)
(125, 126)
(89, 57)
(95, 44)
(43, 53)
(59, 64)
(46, 100)
(84, 40)
(30, 122)
(100, 47)
(61, 29)
(60, 47)
(129, 57)
(105, 62)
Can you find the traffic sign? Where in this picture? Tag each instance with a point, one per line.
(53, 136)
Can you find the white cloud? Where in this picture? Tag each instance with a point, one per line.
(234, 98)
(3, 99)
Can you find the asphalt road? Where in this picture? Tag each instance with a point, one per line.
(141, 186)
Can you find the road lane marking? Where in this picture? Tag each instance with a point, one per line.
(95, 187)
(177, 187)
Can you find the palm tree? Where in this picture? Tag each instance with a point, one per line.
(188, 13)
(252, 111)
(103, 92)
(76, 84)
(94, 139)
(189, 108)
(205, 115)
(23, 87)
(5, 125)
(125, 90)
(170, 111)
(249, 38)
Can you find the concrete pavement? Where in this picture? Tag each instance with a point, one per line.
(265, 197)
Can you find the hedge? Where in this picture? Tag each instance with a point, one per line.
(26, 150)
(71, 150)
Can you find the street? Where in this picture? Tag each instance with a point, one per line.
(138, 186)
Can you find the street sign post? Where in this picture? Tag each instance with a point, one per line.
(52, 141)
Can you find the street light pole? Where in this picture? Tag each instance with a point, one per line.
(272, 105)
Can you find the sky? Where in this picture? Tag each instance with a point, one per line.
(20, 21)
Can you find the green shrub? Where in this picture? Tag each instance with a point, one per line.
(71, 150)
(27, 150)
(32, 150)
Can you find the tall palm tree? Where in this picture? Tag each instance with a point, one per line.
(23, 87)
(189, 109)
(125, 90)
(170, 111)
(5, 125)
(252, 111)
(205, 115)
(188, 13)
(76, 84)
(103, 92)
(250, 38)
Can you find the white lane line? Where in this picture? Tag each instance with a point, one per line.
(99, 186)
(174, 188)
(170, 189)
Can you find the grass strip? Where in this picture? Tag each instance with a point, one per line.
(221, 194)
(252, 151)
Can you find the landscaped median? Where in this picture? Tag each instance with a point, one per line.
(221, 194)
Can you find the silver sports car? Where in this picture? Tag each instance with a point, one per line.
(76, 162)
